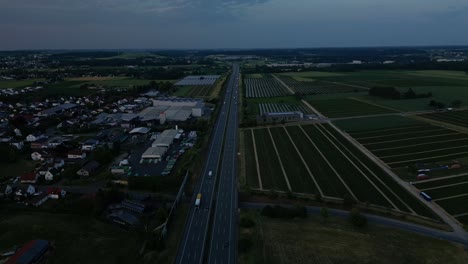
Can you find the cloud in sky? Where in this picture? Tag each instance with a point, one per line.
(230, 23)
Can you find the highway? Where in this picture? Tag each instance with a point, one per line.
(223, 242)
(192, 246)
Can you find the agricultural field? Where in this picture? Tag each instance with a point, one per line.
(346, 107)
(445, 86)
(264, 87)
(316, 86)
(18, 83)
(194, 90)
(459, 118)
(420, 145)
(375, 122)
(279, 107)
(450, 193)
(316, 159)
(310, 240)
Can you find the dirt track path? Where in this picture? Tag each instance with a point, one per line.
(287, 87)
(260, 185)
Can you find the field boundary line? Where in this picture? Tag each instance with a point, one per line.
(398, 140)
(313, 108)
(280, 162)
(422, 152)
(444, 186)
(387, 129)
(303, 162)
(441, 178)
(412, 190)
(350, 85)
(362, 173)
(434, 157)
(462, 214)
(326, 160)
(260, 185)
(421, 144)
(403, 133)
(450, 197)
(280, 81)
(374, 104)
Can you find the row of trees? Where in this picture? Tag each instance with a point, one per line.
(395, 94)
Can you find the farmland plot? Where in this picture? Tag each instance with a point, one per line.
(450, 193)
(264, 87)
(280, 108)
(317, 87)
(317, 159)
(195, 90)
(345, 107)
(459, 118)
(403, 146)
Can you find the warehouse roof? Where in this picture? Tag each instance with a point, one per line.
(154, 153)
(31, 252)
(140, 130)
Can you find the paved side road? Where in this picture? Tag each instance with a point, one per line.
(389, 222)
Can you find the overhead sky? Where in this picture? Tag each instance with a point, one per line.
(180, 24)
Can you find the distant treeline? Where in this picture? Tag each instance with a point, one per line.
(395, 94)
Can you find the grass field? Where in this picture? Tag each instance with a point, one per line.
(23, 165)
(346, 107)
(316, 158)
(77, 239)
(18, 83)
(300, 241)
(414, 144)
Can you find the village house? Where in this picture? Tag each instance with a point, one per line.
(88, 169)
(76, 154)
(30, 177)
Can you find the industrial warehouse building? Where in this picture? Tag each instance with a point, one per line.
(172, 110)
(159, 147)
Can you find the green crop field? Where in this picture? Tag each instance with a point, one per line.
(409, 145)
(18, 83)
(309, 86)
(459, 118)
(250, 167)
(450, 193)
(445, 86)
(374, 123)
(336, 167)
(345, 107)
(194, 90)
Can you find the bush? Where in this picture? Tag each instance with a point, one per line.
(247, 222)
(245, 244)
(284, 212)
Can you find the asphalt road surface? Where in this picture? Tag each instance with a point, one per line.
(192, 246)
(223, 242)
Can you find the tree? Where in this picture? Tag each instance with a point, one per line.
(456, 103)
(161, 215)
(357, 219)
(324, 214)
(246, 222)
